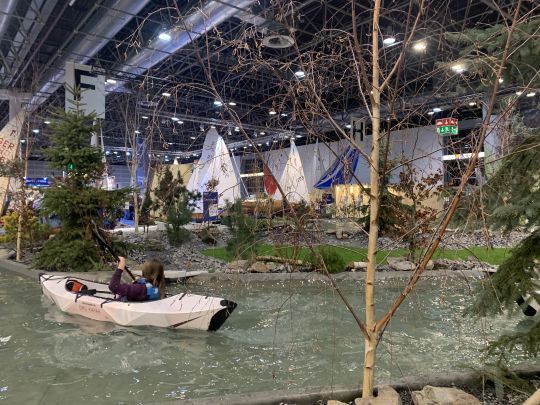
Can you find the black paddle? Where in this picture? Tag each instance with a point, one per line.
(108, 248)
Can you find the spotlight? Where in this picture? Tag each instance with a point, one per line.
(110, 81)
(164, 36)
(531, 94)
(165, 94)
(300, 74)
(419, 46)
(437, 110)
(217, 103)
(389, 41)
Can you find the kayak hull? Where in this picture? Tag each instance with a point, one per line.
(181, 311)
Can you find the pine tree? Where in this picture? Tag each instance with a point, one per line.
(513, 196)
(75, 199)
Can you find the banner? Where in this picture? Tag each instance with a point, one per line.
(9, 144)
(210, 206)
(91, 86)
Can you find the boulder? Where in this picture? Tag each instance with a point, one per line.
(351, 228)
(430, 264)
(386, 395)
(443, 396)
(238, 265)
(208, 236)
(335, 402)
(339, 233)
(258, 267)
(400, 264)
(7, 254)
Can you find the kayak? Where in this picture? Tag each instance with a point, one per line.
(171, 275)
(93, 300)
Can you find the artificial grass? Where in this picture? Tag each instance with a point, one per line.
(351, 254)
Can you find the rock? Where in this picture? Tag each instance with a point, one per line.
(386, 395)
(443, 396)
(7, 254)
(209, 236)
(339, 233)
(272, 267)
(430, 264)
(335, 402)
(351, 227)
(400, 264)
(238, 265)
(258, 267)
(119, 233)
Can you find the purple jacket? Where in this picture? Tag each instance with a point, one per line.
(133, 292)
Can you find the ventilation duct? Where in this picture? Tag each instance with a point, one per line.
(98, 31)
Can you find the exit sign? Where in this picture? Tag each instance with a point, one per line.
(447, 126)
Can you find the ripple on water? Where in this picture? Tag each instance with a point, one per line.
(282, 335)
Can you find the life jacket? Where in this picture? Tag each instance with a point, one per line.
(152, 293)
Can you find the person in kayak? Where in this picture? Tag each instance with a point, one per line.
(151, 286)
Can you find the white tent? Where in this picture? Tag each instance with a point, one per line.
(215, 163)
(290, 175)
(317, 169)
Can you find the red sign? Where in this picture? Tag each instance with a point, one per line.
(446, 122)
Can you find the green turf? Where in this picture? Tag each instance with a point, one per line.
(493, 256)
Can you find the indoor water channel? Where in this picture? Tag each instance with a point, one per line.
(283, 335)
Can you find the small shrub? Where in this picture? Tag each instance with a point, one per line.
(32, 230)
(333, 260)
(242, 244)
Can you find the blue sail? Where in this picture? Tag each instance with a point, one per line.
(341, 170)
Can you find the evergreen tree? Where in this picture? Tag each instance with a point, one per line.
(75, 199)
(513, 196)
(177, 203)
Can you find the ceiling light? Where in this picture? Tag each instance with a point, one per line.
(259, 144)
(165, 94)
(128, 153)
(35, 131)
(437, 109)
(472, 103)
(458, 68)
(218, 103)
(274, 141)
(213, 126)
(531, 94)
(165, 36)
(389, 41)
(231, 103)
(192, 137)
(284, 114)
(430, 113)
(419, 46)
(175, 118)
(501, 80)
(180, 122)
(300, 74)
(245, 147)
(47, 122)
(272, 112)
(299, 136)
(108, 152)
(267, 143)
(144, 117)
(519, 93)
(23, 141)
(348, 126)
(236, 129)
(110, 81)
(137, 131)
(262, 133)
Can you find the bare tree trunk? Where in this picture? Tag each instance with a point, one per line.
(370, 341)
(18, 249)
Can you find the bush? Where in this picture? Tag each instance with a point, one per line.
(242, 244)
(333, 260)
(32, 230)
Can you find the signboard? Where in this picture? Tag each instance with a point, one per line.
(358, 130)
(447, 126)
(210, 206)
(9, 144)
(91, 86)
(36, 182)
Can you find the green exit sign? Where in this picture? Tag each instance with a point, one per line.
(447, 130)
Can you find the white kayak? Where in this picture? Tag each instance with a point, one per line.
(95, 301)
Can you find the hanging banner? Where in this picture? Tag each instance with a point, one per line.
(91, 86)
(210, 206)
(9, 144)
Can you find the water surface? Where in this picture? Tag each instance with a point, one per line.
(282, 335)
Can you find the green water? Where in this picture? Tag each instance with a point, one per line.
(282, 335)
